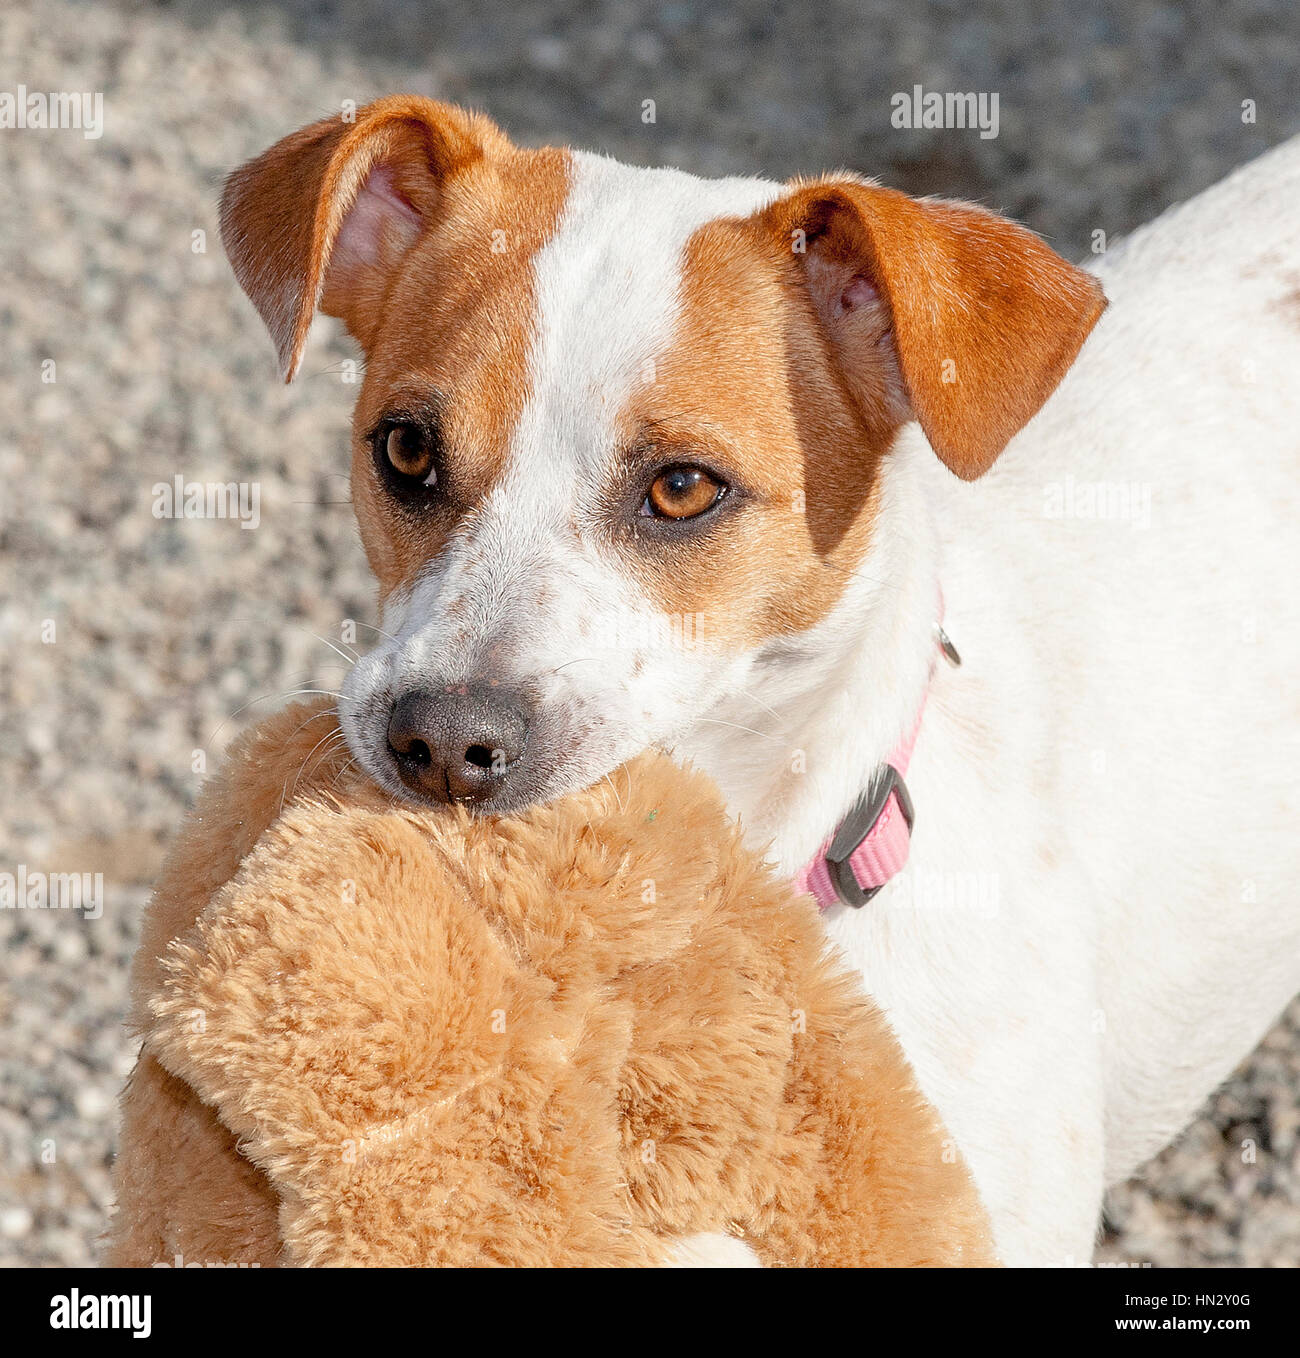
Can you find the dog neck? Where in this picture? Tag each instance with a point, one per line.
(822, 709)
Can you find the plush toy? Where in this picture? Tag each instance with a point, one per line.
(594, 1033)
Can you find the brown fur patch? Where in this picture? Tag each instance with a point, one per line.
(458, 320)
(795, 365)
(748, 380)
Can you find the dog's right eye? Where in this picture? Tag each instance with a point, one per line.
(407, 457)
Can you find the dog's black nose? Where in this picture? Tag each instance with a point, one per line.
(459, 745)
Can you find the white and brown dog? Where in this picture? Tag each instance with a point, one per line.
(643, 459)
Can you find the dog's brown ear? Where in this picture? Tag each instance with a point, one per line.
(324, 216)
(938, 310)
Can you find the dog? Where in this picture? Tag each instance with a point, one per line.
(642, 459)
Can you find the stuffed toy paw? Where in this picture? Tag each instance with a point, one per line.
(599, 1032)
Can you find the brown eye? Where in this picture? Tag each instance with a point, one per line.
(410, 453)
(682, 493)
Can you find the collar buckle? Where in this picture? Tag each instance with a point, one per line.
(855, 828)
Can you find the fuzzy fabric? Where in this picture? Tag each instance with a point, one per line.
(378, 1034)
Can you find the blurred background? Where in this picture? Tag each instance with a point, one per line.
(133, 648)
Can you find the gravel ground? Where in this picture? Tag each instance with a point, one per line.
(134, 648)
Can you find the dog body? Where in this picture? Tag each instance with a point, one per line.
(1096, 921)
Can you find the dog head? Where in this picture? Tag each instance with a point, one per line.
(621, 429)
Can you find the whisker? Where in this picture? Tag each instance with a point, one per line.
(380, 630)
(334, 782)
(296, 627)
(618, 801)
(315, 716)
(351, 659)
(289, 693)
(758, 702)
(332, 740)
(337, 738)
(717, 721)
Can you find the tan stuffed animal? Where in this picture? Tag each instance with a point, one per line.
(381, 1034)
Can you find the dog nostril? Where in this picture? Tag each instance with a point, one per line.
(418, 753)
(480, 756)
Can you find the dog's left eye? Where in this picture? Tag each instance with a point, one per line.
(682, 493)
(410, 452)
(407, 457)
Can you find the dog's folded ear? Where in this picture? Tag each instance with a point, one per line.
(324, 217)
(938, 310)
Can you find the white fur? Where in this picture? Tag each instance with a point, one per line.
(1099, 917)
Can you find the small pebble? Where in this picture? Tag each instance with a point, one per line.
(15, 1222)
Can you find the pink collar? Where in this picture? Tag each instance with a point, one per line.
(871, 843)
